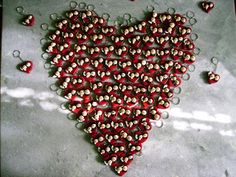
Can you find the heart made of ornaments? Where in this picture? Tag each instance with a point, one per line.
(28, 20)
(213, 77)
(118, 79)
(207, 6)
(25, 66)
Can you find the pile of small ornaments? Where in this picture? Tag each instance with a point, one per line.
(117, 80)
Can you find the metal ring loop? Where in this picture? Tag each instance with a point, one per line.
(53, 87)
(214, 60)
(73, 4)
(127, 16)
(193, 36)
(16, 53)
(79, 121)
(133, 20)
(197, 51)
(177, 90)
(45, 56)
(175, 100)
(186, 77)
(44, 26)
(77, 124)
(191, 68)
(150, 8)
(192, 21)
(165, 115)
(47, 65)
(20, 10)
(43, 41)
(190, 14)
(171, 10)
(125, 23)
(82, 5)
(54, 16)
(71, 116)
(63, 106)
(105, 16)
(90, 7)
(118, 21)
(59, 92)
(159, 123)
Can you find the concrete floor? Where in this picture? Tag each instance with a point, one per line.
(199, 139)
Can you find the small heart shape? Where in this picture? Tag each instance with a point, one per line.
(207, 6)
(25, 66)
(213, 77)
(28, 20)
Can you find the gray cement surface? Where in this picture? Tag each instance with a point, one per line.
(199, 139)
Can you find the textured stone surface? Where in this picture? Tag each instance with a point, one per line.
(199, 139)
